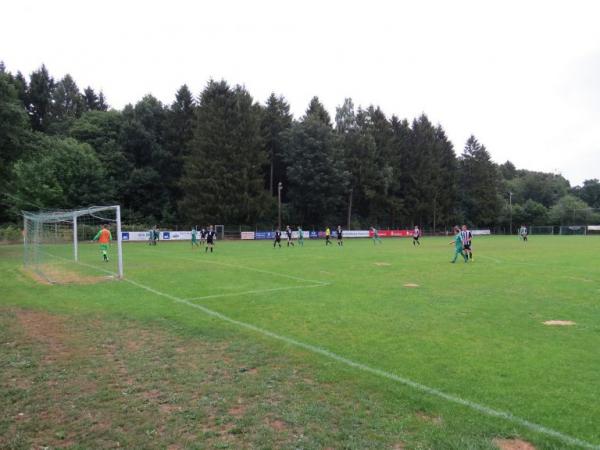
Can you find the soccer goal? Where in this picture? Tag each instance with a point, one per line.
(541, 230)
(573, 230)
(593, 230)
(74, 246)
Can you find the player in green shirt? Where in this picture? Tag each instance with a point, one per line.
(376, 237)
(300, 237)
(458, 245)
(195, 237)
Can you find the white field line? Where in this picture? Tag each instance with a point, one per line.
(252, 269)
(378, 372)
(257, 291)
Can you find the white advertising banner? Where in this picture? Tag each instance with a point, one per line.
(163, 236)
(480, 232)
(355, 233)
(247, 235)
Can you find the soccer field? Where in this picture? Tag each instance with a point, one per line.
(459, 358)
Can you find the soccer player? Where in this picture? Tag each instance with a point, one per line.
(328, 237)
(277, 240)
(288, 232)
(523, 233)
(194, 237)
(210, 239)
(300, 236)
(340, 236)
(467, 237)
(203, 234)
(376, 237)
(416, 236)
(104, 237)
(458, 245)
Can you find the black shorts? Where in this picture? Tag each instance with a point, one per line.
(416, 238)
(340, 237)
(210, 241)
(277, 239)
(467, 247)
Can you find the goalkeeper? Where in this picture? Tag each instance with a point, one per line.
(104, 237)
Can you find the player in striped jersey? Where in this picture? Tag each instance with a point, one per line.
(416, 236)
(466, 238)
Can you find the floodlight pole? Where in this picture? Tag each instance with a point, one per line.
(279, 188)
(349, 210)
(119, 242)
(510, 194)
(75, 250)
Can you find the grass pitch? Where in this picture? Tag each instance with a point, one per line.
(365, 346)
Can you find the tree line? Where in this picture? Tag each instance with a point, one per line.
(221, 156)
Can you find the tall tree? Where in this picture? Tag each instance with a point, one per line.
(179, 135)
(39, 97)
(317, 111)
(14, 130)
(479, 181)
(317, 180)
(222, 178)
(276, 120)
(589, 192)
(143, 142)
(90, 99)
(67, 104)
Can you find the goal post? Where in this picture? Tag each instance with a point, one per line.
(58, 245)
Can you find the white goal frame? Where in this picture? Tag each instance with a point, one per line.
(34, 220)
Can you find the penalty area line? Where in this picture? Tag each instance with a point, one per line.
(256, 291)
(379, 372)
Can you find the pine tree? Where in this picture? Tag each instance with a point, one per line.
(222, 180)
(179, 135)
(39, 96)
(90, 99)
(276, 120)
(479, 182)
(317, 180)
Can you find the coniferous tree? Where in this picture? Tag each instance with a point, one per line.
(317, 180)
(479, 182)
(276, 120)
(179, 135)
(90, 99)
(39, 98)
(222, 180)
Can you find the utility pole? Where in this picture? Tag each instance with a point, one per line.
(279, 188)
(510, 194)
(349, 209)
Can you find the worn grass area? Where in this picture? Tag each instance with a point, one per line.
(119, 362)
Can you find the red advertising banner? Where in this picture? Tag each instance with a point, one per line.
(393, 233)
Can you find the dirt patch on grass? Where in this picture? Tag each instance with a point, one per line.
(411, 285)
(513, 444)
(559, 323)
(436, 420)
(49, 274)
(49, 330)
(277, 424)
(382, 264)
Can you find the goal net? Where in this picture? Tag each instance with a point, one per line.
(573, 230)
(81, 245)
(541, 230)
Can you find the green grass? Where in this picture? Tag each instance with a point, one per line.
(473, 331)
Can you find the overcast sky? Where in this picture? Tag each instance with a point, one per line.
(523, 76)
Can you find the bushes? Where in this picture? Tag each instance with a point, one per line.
(10, 233)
